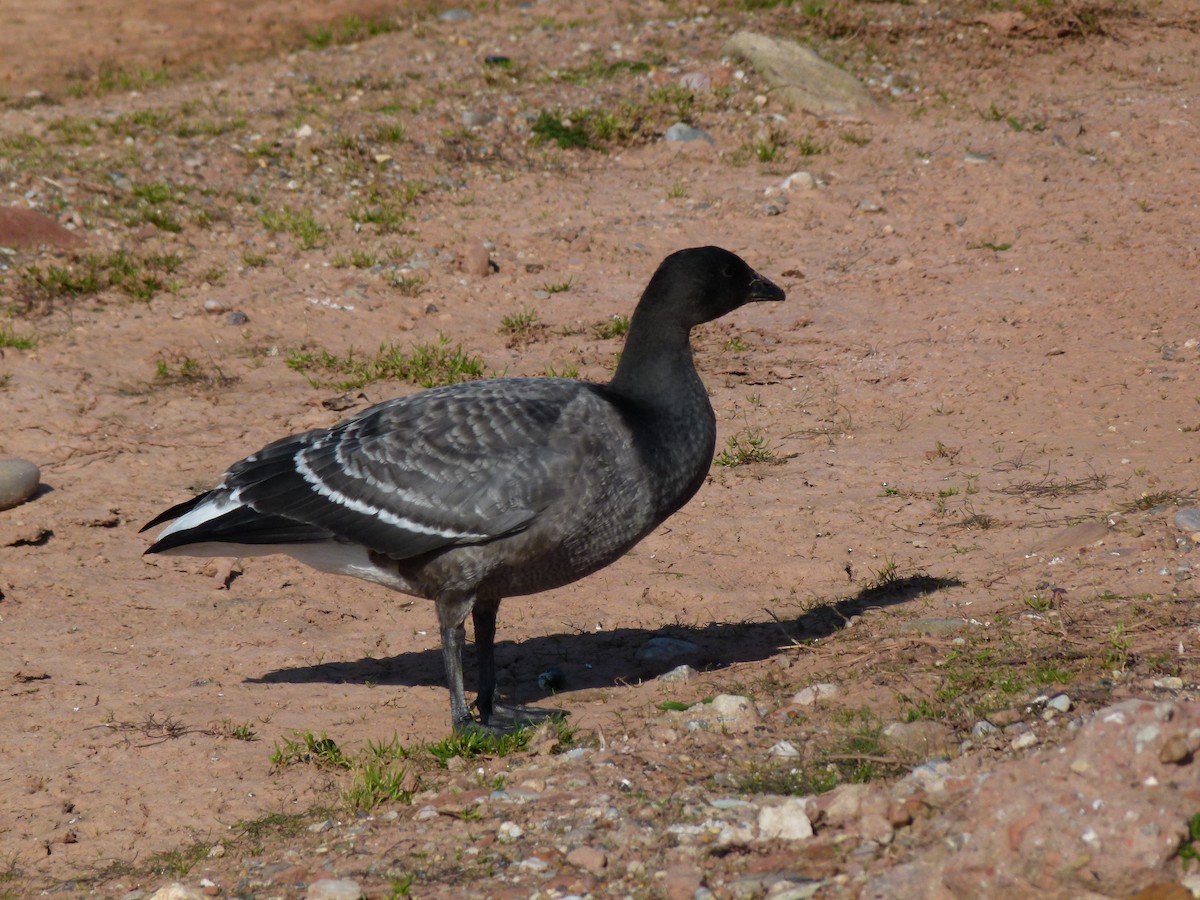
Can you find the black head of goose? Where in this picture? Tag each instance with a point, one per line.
(477, 491)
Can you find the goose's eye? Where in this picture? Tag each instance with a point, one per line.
(727, 272)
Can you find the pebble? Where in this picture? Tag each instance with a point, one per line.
(799, 180)
(784, 749)
(509, 832)
(658, 649)
(679, 674)
(787, 822)
(683, 132)
(334, 889)
(454, 15)
(1061, 703)
(533, 864)
(477, 118)
(1169, 683)
(977, 158)
(304, 131)
(982, 729)
(552, 679)
(1024, 741)
(237, 317)
(589, 859)
(1175, 749)
(214, 306)
(176, 891)
(1188, 520)
(19, 479)
(814, 692)
(320, 827)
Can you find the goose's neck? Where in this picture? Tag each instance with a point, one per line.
(656, 364)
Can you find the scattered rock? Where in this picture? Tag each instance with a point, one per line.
(589, 859)
(237, 317)
(214, 307)
(1176, 750)
(21, 227)
(799, 181)
(683, 132)
(1188, 520)
(1024, 741)
(661, 649)
(814, 692)
(788, 821)
(454, 15)
(804, 80)
(509, 832)
(475, 260)
(1060, 703)
(334, 889)
(19, 480)
(784, 749)
(177, 891)
(678, 674)
(477, 118)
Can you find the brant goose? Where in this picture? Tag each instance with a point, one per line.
(478, 491)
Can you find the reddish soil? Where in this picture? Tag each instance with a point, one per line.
(980, 397)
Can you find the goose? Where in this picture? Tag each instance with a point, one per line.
(473, 492)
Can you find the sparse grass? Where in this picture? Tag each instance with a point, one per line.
(389, 133)
(472, 744)
(558, 287)
(252, 260)
(350, 30)
(407, 285)
(308, 749)
(744, 448)
(425, 364)
(358, 259)
(179, 861)
(1151, 499)
(113, 78)
(299, 223)
(182, 369)
(137, 277)
(612, 327)
(569, 370)
(520, 323)
(14, 341)
(989, 245)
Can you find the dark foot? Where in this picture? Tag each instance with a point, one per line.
(507, 719)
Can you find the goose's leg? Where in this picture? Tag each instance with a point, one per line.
(452, 613)
(495, 716)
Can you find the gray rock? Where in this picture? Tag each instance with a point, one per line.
(19, 480)
(681, 132)
(477, 118)
(334, 889)
(454, 15)
(1061, 703)
(785, 749)
(804, 80)
(177, 891)
(799, 181)
(679, 674)
(237, 317)
(787, 822)
(661, 649)
(1188, 520)
(509, 832)
(814, 692)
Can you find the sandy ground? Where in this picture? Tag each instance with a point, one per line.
(983, 384)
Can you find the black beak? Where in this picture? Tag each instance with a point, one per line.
(764, 289)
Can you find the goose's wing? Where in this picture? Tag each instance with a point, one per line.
(451, 466)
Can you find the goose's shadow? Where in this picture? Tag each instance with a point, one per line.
(601, 659)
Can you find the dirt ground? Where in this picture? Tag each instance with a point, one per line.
(978, 404)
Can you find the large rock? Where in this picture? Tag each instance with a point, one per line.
(804, 80)
(20, 227)
(19, 479)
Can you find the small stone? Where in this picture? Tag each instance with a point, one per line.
(1168, 683)
(509, 832)
(477, 118)
(1080, 766)
(304, 131)
(868, 206)
(678, 674)
(334, 889)
(730, 709)
(1175, 750)
(1060, 703)
(681, 131)
(216, 851)
(176, 891)
(589, 859)
(19, 479)
(814, 692)
(214, 306)
(1024, 741)
(976, 158)
(799, 181)
(533, 864)
(922, 739)
(454, 15)
(788, 821)
(321, 827)
(784, 749)
(660, 649)
(237, 317)
(1188, 520)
